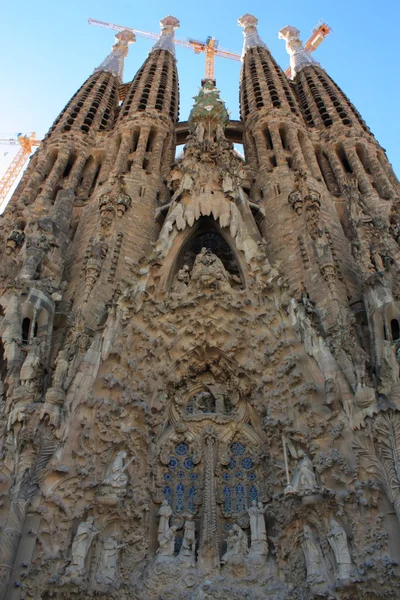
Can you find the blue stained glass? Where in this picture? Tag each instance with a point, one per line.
(167, 477)
(173, 463)
(227, 499)
(232, 464)
(239, 474)
(181, 475)
(188, 463)
(192, 494)
(182, 449)
(193, 476)
(227, 476)
(180, 498)
(168, 493)
(238, 449)
(253, 493)
(247, 463)
(240, 498)
(252, 476)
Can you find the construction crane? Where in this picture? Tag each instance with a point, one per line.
(209, 47)
(27, 143)
(318, 34)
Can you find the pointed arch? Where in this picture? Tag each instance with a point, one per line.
(206, 232)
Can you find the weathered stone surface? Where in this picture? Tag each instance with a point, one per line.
(199, 381)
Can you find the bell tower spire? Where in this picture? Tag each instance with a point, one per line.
(166, 39)
(299, 58)
(114, 62)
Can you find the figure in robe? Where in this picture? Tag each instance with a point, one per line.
(237, 546)
(83, 539)
(304, 481)
(259, 543)
(108, 561)
(315, 564)
(164, 513)
(167, 542)
(338, 541)
(187, 551)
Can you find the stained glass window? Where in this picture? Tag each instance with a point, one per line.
(239, 480)
(181, 479)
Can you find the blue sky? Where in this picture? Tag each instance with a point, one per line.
(48, 50)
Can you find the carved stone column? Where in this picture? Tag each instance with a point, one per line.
(209, 546)
(10, 539)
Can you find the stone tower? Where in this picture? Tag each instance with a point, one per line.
(199, 378)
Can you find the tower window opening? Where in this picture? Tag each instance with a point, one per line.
(268, 139)
(69, 165)
(395, 330)
(150, 141)
(26, 325)
(343, 159)
(283, 135)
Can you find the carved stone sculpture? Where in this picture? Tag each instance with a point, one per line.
(315, 563)
(259, 544)
(107, 567)
(164, 513)
(237, 546)
(83, 539)
(166, 540)
(304, 481)
(209, 272)
(187, 551)
(338, 541)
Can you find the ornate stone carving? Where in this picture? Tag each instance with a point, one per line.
(304, 481)
(107, 566)
(338, 541)
(81, 544)
(236, 546)
(259, 543)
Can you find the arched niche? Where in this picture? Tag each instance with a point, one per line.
(205, 233)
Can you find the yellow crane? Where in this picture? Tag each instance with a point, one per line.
(27, 143)
(211, 48)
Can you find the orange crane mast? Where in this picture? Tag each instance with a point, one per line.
(210, 46)
(7, 181)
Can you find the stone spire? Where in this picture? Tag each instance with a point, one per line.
(166, 39)
(114, 63)
(250, 33)
(299, 58)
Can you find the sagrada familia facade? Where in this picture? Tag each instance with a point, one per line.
(200, 392)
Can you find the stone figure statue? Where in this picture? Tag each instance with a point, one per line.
(237, 546)
(32, 369)
(167, 542)
(259, 544)
(164, 513)
(61, 370)
(187, 551)
(315, 564)
(338, 541)
(209, 272)
(83, 539)
(107, 567)
(117, 478)
(304, 481)
(182, 280)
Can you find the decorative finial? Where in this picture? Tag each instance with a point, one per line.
(250, 33)
(299, 58)
(209, 110)
(166, 39)
(114, 63)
